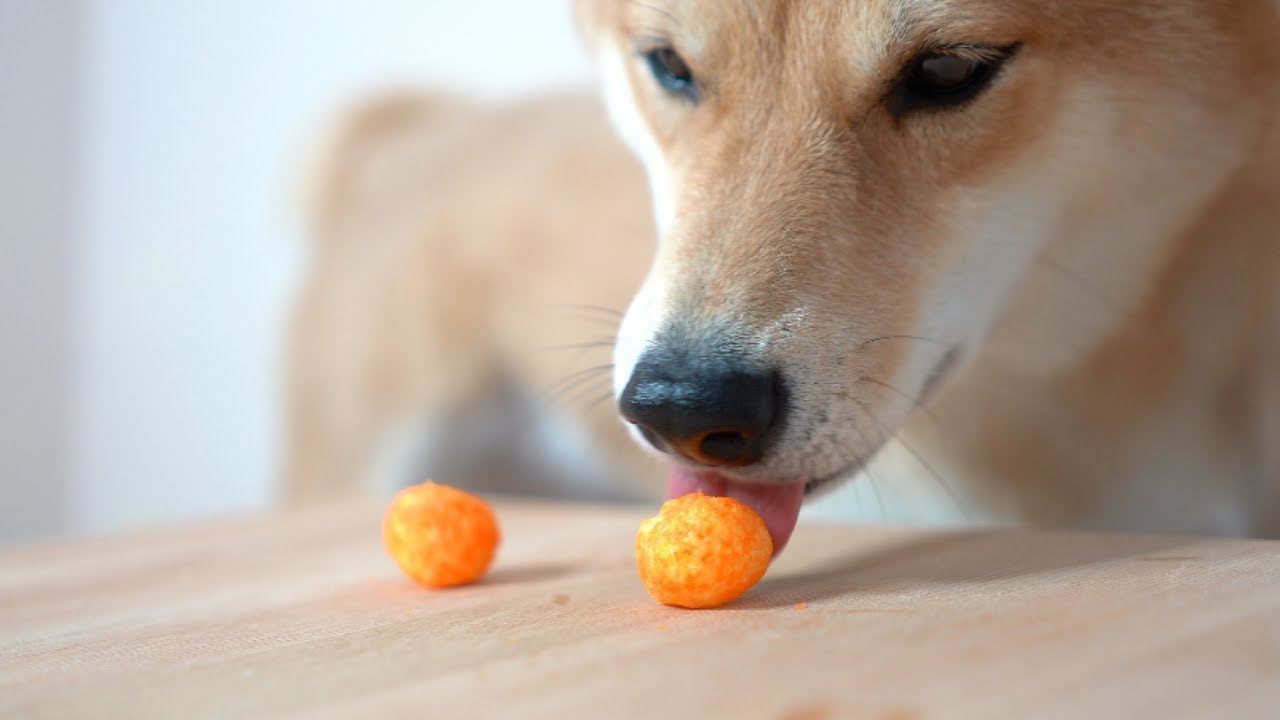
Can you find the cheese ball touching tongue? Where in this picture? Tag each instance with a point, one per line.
(778, 504)
(702, 551)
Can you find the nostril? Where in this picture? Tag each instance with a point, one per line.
(725, 447)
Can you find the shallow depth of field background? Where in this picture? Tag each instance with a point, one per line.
(148, 234)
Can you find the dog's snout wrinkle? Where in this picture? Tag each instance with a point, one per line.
(713, 412)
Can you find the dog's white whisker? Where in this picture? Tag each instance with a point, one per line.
(866, 470)
(916, 404)
(575, 380)
(587, 345)
(946, 487)
(589, 308)
(885, 338)
(602, 397)
(894, 437)
(590, 389)
(606, 321)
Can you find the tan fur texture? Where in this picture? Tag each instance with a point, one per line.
(1092, 235)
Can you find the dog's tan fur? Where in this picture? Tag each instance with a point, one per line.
(1077, 276)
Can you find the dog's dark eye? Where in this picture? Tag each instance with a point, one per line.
(946, 79)
(671, 72)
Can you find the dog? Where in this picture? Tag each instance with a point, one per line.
(1037, 242)
(1020, 258)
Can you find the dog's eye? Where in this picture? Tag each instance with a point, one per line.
(671, 72)
(945, 74)
(947, 79)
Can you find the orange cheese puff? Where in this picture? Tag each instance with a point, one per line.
(440, 536)
(701, 551)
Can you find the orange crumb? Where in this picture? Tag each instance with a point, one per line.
(440, 536)
(701, 551)
(802, 606)
(408, 613)
(560, 599)
(662, 626)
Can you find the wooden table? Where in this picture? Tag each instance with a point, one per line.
(301, 614)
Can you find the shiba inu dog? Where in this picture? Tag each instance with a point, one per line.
(1036, 242)
(1022, 255)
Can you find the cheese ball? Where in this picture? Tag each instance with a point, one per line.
(440, 536)
(701, 551)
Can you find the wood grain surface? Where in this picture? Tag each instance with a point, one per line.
(302, 615)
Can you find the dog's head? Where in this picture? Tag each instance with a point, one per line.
(850, 194)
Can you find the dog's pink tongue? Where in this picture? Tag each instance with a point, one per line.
(777, 505)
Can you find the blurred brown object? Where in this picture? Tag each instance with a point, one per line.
(469, 266)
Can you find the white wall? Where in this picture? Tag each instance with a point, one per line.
(38, 79)
(195, 116)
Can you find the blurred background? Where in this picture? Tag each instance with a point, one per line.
(149, 228)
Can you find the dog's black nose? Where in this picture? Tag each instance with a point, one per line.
(712, 412)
